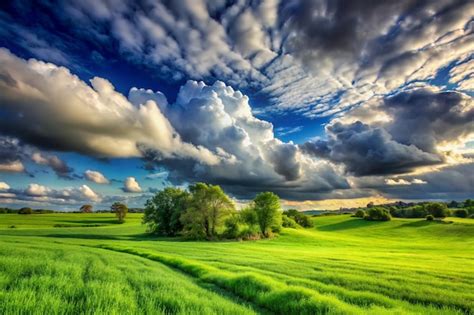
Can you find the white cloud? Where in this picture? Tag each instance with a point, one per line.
(131, 185)
(404, 182)
(96, 177)
(36, 190)
(15, 167)
(4, 186)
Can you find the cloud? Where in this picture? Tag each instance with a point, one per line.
(403, 182)
(365, 150)
(40, 194)
(14, 166)
(131, 185)
(4, 186)
(59, 166)
(70, 115)
(96, 177)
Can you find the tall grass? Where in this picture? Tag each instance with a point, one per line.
(341, 266)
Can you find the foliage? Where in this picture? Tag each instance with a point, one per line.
(360, 214)
(163, 211)
(288, 222)
(86, 209)
(461, 213)
(377, 214)
(268, 211)
(25, 210)
(207, 208)
(437, 209)
(417, 211)
(120, 211)
(429, 217)
(300, 218)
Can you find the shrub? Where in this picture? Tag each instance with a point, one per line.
(461, 213)
(377, 214)
(288, 222)
(359, 214)
(300, 218)
(429, 217)
(437, 209)
(25, 210)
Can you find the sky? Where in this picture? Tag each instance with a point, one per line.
(326, 103)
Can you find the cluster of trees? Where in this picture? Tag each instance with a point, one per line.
(293, 218)
(118, 208)
(205, 212)
(428, 210)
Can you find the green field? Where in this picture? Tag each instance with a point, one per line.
(86, 263)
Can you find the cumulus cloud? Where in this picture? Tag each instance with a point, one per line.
(4, 186)
(131, 185)
(403, 182)
(57, 165)
(14, 166)
(70, 115)
(40, 194)
(96, 177)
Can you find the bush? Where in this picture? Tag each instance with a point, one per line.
(429, 217)
(300, 218)
(289, 222)
(461, 213)
(377, 214)
(437, 209)
(25, 211)
(359, 214)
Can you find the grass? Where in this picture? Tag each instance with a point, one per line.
(343, 265)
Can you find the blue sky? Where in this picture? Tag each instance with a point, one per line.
(324, 103)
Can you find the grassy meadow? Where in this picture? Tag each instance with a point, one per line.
(87, 263)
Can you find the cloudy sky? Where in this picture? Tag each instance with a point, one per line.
(326, 103)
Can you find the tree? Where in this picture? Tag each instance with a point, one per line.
(163, 211)
(25, 210)
(378, 214)
(437, 209)
(86, 209)
(267, 208)
(120, 211)
(461, 213)
(360, 214)
(207, 208)
(469, 203)
(300, 218)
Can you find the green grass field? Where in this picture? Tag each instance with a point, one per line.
(86, 263)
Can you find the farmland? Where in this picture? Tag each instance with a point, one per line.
(87, 263)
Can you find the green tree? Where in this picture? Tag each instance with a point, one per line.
(378, 214)
(359, 214)
(437, 209)
(120, 211)
(86, 208)
(25, 210)
(207, 208)
(461, 213)
(163, 211)
(267, 208)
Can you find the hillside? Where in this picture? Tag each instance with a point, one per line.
(79, 263)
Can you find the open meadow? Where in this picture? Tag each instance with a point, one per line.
(87, 263)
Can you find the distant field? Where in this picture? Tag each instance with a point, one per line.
(86, 263)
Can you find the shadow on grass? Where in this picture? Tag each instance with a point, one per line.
(423, 222)
(134, 237)
(78, 222)
(348, 225)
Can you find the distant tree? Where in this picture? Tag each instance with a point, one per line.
(207, 208)
(360, 214)
(120, 211)
(378, 214)
(437, 209)
(370, 204)
(429, 217)
(25, 210)
(288, 222)
(163, 211)
(299, 217)
(86, 209)
(453, 204)
(461, 213)
(468, 203)
(268, 210)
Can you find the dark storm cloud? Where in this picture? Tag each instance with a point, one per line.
(425, 118)
(367, 151)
